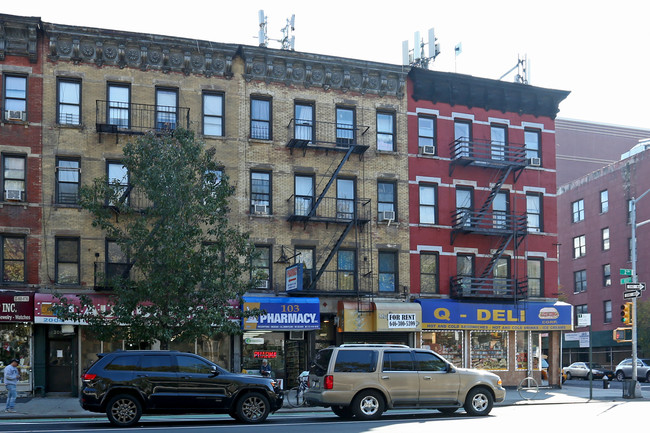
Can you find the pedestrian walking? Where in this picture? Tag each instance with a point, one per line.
(11, 377)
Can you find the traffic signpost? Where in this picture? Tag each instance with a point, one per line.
(625, 271)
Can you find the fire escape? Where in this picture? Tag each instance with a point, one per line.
(507, 229)
(339, 268)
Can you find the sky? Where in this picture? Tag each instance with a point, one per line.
(598, 50)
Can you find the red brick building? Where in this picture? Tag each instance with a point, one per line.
(483, 229)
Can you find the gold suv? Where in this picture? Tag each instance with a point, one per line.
(364, 380)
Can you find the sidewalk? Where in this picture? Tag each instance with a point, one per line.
(68, 407)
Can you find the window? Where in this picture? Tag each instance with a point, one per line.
(69, 102)
(345, 126)
(607, 311)
(345, 196)
(13, 177)
(387, 271)
(604, 201)
(501, 274)
(67, 261)
(385, 131)
(429, 273)
(500, 210)
(531, 143)
(604, 236)
(261, 118)
(426, 361)
(15, 98)
(465, 270)
(119, 104)
(166, 109)
(192, 365)
(346, 270)
(535, 273)
(607, 275)
(304, 121)
(117, 261)
(464, 205)
(427, 135)
(580, 281)
(498, 141)
(427, 204)
(581, 309)
(260, 193)
(356, 361)
(213, 104)
(462, 138)
(67, 180)
(534, 212)
(398, 361)
(12, 259)
(578, 211)
(305, 255)
(262, 266)
(386, 201)
(118, 178)
(303, 194)
(579, 246)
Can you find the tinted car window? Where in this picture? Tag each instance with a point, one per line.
(429, 362)
(356, 361)
(190, 364)
(398, 361)
(320, 362)
(161, 363)
(123, 363)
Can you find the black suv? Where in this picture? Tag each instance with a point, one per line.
(126, 384)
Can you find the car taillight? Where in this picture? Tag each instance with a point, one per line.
(87, 376)
(329, 382)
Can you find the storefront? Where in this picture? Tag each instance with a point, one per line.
(16, 317)
(503, 338)
(378, 322)
(283, 335)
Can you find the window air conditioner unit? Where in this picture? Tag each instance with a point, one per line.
(15, 115)
(428, 150)
(387, 215)
(260, 209)
(13, 194)
(534, 162)
(296, 335)
(264, 284)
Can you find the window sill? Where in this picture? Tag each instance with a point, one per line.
(67, 206)
(260, 140)
(69, 126)
(14, 203)
(256, 215)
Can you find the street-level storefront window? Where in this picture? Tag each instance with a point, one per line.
(489, 350)
(449, 344)
(528, 347)
(261, 345)
(15, 339)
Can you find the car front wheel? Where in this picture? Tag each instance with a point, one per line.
(620, 376)
(479, 401)
(253, 408)
(368, 405)
(124, 410)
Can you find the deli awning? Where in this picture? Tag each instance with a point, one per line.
(282, 314)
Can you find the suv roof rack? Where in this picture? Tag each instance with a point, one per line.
(374, 345)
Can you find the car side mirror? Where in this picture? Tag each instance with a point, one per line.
(451, 368)
(214, 371)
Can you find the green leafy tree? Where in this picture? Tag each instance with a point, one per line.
(643, 327)
(186, 263)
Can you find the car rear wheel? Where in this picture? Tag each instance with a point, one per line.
(568, 376)
(620, 376)
(647, 377)
(124, 410)
(344, 412)
(479, 401)
(253, 408)
(368, 405)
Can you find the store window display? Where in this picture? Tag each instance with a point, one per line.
(489, 350)
(449, 344)
(16, 345)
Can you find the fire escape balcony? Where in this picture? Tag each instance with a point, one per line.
(489, 289)
(494, 223)
(327, 136)
(330, 210)
(486, 153)
(134, 119)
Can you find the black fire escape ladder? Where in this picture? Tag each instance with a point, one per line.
(312, 212)
(505, 172)
(332, 252)
(503, 245)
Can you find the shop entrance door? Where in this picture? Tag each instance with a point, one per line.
(60, 365)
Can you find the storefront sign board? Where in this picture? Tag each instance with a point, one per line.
(282, 314)
(43, 307)
(16, 307)
(293, 277)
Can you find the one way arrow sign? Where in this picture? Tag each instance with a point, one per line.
(629, 294)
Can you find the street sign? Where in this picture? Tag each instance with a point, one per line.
(635, 286)
(625, 271)
(626, 280)
(629, 294)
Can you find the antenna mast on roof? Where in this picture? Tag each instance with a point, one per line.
(523, 70)
(417, 57)
(288, 41)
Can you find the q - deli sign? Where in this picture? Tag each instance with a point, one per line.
(16, 307)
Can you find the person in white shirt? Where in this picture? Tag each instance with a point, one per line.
(11, 377)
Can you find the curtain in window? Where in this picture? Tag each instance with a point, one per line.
(304, 122)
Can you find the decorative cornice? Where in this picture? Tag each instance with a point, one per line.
(138, 50)
(469, 91)
(18, 36)
(330, 73)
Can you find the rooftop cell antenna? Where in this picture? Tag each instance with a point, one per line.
(288, 41)
(419, 57)
(264, 40)
(523, 70)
